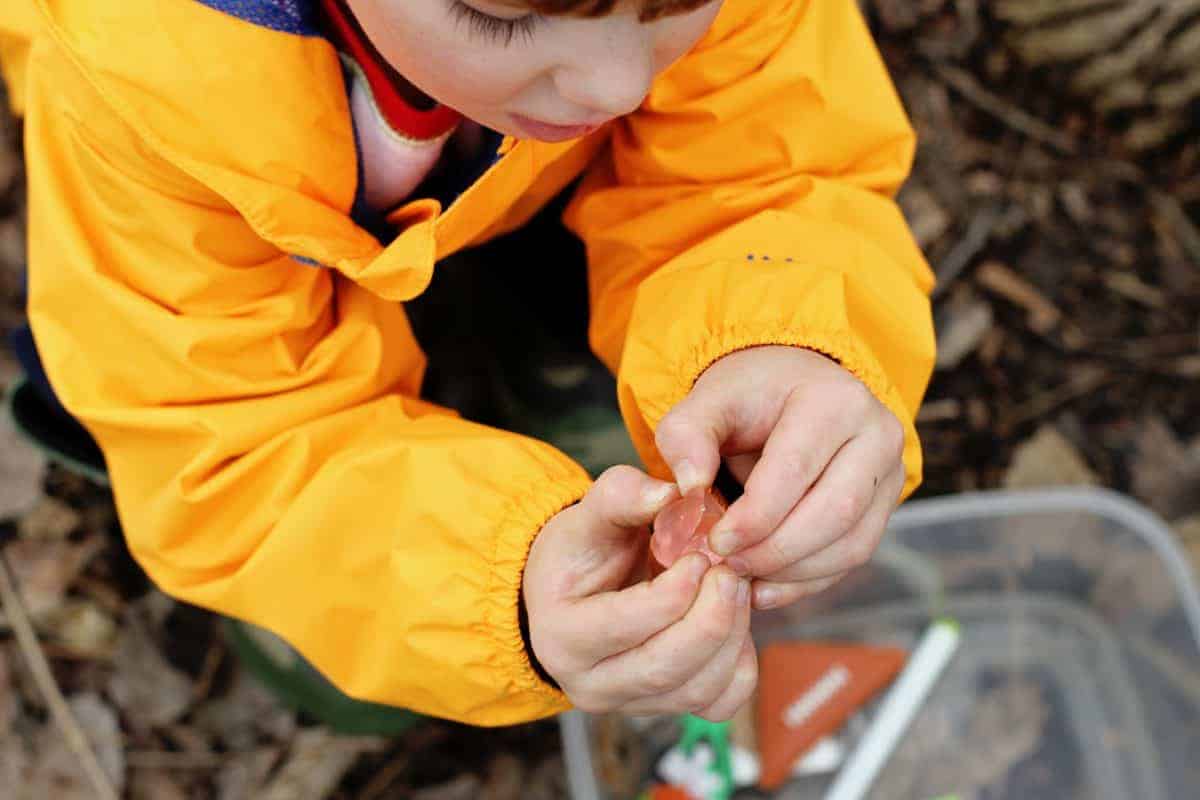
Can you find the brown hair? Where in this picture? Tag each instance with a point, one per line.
(651, 9)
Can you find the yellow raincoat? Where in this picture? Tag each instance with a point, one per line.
(259, 415)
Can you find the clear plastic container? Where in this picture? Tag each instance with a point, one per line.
(1078, 675)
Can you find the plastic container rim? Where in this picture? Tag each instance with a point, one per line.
(936, 510)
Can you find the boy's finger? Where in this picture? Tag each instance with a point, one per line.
(740, 689)
(711, 681)
(806, 439)
(669, 658)
(689, 438)
(769, 595)
(742, 465)
(852, 550)
(833, 508)
(625, 497)
(611, 623)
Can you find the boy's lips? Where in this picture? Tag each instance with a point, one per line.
(548, 132)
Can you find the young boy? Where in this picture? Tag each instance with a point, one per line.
(230, 200)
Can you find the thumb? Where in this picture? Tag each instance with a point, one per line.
(594, 545)
(689, 438)
(625, 497)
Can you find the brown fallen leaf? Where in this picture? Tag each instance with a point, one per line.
(1189, 533)
(315, 764)
(21, 468)
(1048, 459)
(464, 787)
(548, 782)
(1165, 473)
(245, 773)
(44, 570)
(505, 778)
(147, 784)
(245, 712)
(961, 328)
(83, 628)
(147, 688)
(55, 771)
(50, 518)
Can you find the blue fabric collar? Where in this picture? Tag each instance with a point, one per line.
(287, 16)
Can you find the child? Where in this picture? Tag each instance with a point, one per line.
(231, 200)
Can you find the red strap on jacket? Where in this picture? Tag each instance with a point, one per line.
(347, 35)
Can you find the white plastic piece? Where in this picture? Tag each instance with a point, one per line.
(824, 757)
(899, 707)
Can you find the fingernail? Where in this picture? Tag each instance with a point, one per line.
(698, 569)
(766, 597)
(657, 495)
(724, 542)
(730, 586)
(743, 595)
(738, 565)
(687, 475)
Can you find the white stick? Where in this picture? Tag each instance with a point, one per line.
(924, 667)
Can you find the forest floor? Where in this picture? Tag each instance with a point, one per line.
(1067, 250)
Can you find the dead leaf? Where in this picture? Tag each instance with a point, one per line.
(961, 327)
(149, 784)
(84, 628)
(14, 758)
(9, 707)
(1189, 534)
(55, 770)
(49, 518)
(316, 763)
(1048, 459)
(927, 218)
(464, 787)
(46, 569)
(243, 713)
(548, 782)
(505, 778)
(21, 468)
(1012, 719)
(148, 689)
(1166, 476)
(245, 772)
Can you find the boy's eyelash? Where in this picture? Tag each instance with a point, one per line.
(496, 29)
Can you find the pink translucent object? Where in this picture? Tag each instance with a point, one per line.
(683, 527)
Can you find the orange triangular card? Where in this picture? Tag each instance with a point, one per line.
(808, 691)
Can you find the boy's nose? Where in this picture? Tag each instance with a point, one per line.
(612, 73)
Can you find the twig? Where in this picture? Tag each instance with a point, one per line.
(384, 778)
(19, 619)
(1174, 215)
(1006, 112)
(169, 760)
(968, 247)
(1043, 403)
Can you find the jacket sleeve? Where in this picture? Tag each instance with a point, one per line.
(17, 20)
(749, 202)
(259, 419)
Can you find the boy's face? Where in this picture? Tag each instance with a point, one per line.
(529, 75)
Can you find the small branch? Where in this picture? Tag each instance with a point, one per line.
(1184, 229)
(30, 647)
(173, 761)
(1022, 121)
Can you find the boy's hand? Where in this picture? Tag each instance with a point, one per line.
(819, 456)
(616, 642)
